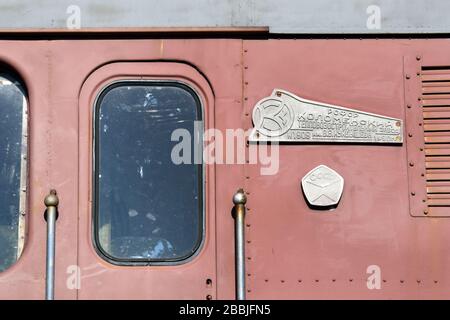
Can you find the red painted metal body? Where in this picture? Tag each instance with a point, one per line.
(293, 252)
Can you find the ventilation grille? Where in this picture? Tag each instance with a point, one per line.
(436, 124)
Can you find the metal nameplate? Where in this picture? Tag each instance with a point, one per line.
(323, 186)
(284, 117)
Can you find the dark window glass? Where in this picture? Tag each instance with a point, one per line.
(12, 170)
(147, 207)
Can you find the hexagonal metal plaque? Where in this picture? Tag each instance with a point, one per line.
(323, 186)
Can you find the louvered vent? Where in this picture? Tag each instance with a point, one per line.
(436, 125)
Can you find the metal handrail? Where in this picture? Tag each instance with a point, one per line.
(51, 214)
(239, 200)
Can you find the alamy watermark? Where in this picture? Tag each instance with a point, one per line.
(374, 279)
(73, 21)
(229, 147)
(374, 19)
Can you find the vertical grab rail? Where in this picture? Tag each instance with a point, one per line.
(239, 200)
(51, 214)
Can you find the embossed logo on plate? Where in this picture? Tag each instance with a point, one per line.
(322, 186)
(284, 117)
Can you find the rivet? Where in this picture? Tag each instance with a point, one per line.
(413, 193)
(425, 211)
(407, 76)
(411, 164)
(408, 106)
(418, 58)
(209, 297)
(410, 135)
(266, 280)
(402, 281)
(282, 281)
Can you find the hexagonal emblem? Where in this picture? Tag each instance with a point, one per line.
(323, 186)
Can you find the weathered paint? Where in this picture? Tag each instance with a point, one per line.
(280, 16)
(292, 251)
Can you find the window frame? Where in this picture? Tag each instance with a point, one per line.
(200, 110)
(22, 225)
